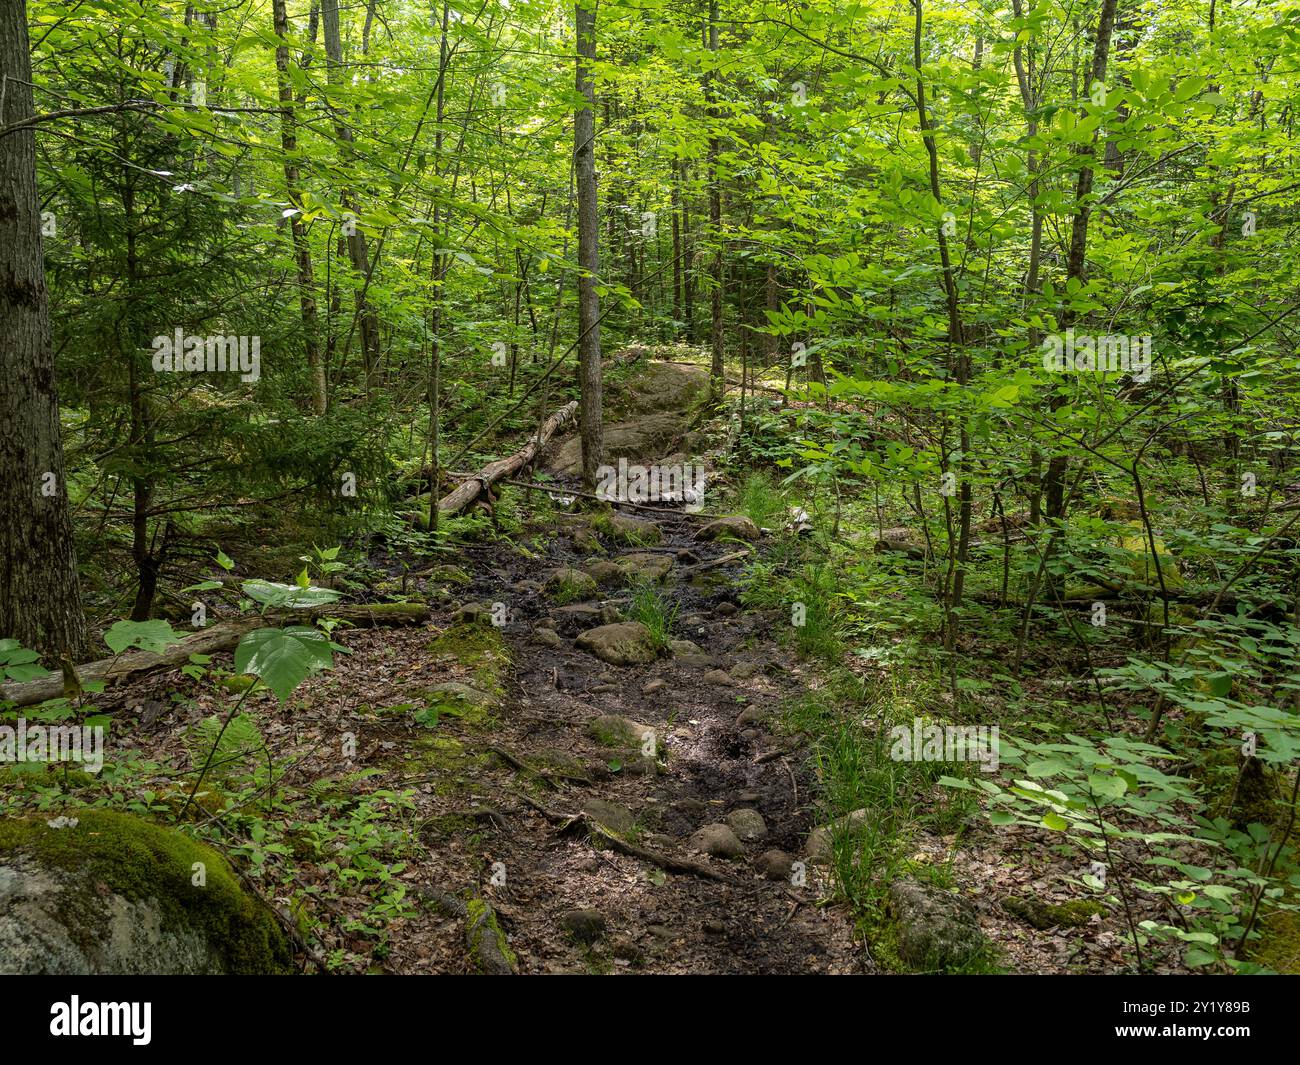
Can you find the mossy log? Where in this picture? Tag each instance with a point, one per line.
(215, 638)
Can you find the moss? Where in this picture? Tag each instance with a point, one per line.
(444, 759)
(487, 938)
(1043, 915)
(30, 776)
(1278, 947)
(481, 649)
(139, 861)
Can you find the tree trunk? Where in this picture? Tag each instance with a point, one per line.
(584, 148)
(717, 370)
(301, 249)
(40, 595)
(355, 236)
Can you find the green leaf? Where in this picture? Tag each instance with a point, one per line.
(1055, 822)
(283, 658)
(154, 636)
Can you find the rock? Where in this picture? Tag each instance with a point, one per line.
(586, 926)
(626, 643)
(603, 689)
(717, 676)
(473, 614)
(774, 865)
(566, 585)
(577, 616)
(936, 929)
(692, 661)
(745, 670)
(684, 647)
(725, 609)
(626, 529)
(644, 566)
(610, 615)
(547, 638)
(818, 848)
(656, 684)
(737, 527)
(687, 557)
(454, 689)
(545, 623)
(716, 840)
(526, 587)
(750, 716)
(110, 893)
(748, 825)
(605, 573)
(611, 730)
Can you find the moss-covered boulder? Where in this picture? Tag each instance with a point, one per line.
(937, 930)
(626, 643)
(568, 585)
(109, 893)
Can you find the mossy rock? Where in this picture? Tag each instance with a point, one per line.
(1044, 915)
(115, 894)
(625, 529)
(481, 649)
(567, 585)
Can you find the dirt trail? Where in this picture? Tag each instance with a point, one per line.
(569, 897)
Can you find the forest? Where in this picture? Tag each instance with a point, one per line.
(625, 487)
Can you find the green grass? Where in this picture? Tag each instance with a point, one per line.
(655, 610)
(762, 501)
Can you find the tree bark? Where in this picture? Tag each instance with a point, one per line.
(584, 148)
(298, 232)
(40, 594)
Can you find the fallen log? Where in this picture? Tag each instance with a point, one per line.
(465, 493)
(215, 638)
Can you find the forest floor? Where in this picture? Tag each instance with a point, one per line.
(509, 763)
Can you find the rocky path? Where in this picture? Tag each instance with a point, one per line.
(632, 807)
(661, 814)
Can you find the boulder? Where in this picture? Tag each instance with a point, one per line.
(110, 893)
(937, 930)
(625, 643)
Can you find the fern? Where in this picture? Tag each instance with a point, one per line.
(241, 742)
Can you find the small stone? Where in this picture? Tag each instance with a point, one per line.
(774, 864)
(716, 840)
(656, 684)
(745, 670)
(547, 638)
(684, 647)
(736, 526)
(818, 848)
(748, 825)
(567, 584)
(611, 730)
(725, 609)
(609, 615)
(586, 926)
(750, 716)
(716, 676)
